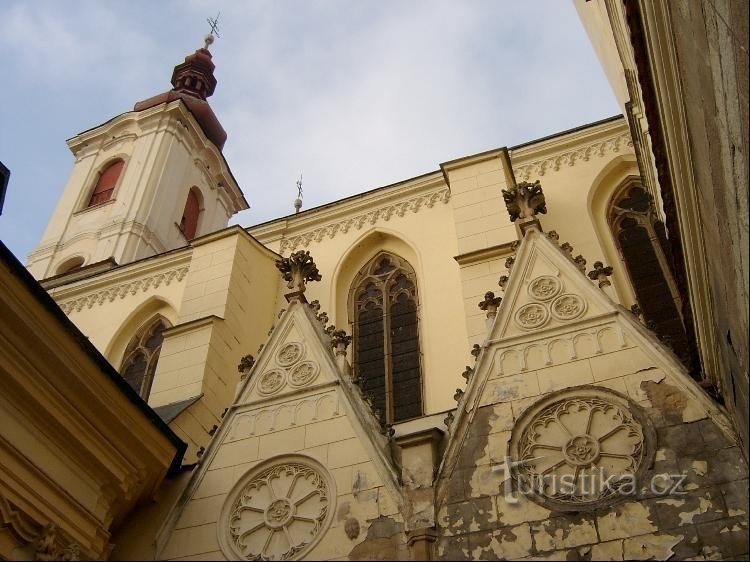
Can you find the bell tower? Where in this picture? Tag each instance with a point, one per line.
(146, 181)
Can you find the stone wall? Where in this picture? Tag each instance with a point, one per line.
(712, 57)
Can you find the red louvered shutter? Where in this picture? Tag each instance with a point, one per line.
(189, 222)
(105, 186)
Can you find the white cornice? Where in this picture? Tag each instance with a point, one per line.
(118, 283)
(550, 155)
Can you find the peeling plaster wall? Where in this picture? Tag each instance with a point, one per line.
(709, 520)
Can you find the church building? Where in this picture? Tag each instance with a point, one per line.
(504, 358)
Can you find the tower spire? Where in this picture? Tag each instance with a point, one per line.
(193, 81)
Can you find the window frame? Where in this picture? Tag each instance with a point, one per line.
(194, 190)
(137, 345)
(359, 282)
(86, 203)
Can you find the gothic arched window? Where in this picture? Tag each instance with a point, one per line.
(141, 356)
(384, 310)
(105, 184)
(642, 242)
(189, 222)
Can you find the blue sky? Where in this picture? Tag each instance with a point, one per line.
(355, 94)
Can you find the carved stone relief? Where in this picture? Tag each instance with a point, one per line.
(277, 511)
(303, 374)
(547, 301)
(532, 315)
(289, 414)
(290, 370)
(289, 354)
(561, 349)
(582, 449)
(271, 382)
(544, 288)
(567, 307)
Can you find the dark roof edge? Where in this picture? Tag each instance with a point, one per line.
(48, 302)
(342, 200)
(528, 143)
(569, 131)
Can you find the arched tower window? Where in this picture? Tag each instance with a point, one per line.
(141, 356)
(642, 242)
(105, 184)
(384, 309)
(71, 265)
(189, 222)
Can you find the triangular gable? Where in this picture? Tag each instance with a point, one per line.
(297, 408)
(555, 329)
(295, 357)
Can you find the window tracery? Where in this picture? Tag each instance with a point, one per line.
(387, 362)
(642, 242)
(142, 355)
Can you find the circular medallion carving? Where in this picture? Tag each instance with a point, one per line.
(532, 315)
(271, 382)
(303, 374)
(277, 511)
(581, 450)
(544, 288)
(568, 307)
(289, 354)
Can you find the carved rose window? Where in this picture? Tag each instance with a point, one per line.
(277, 512)
(580, 450)
(384, 312)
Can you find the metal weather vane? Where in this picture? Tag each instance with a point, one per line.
(214, 23)
(298, 200)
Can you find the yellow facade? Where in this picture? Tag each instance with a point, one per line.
(278, 448)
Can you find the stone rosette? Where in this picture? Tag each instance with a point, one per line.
(303, 374)
(271, 382)
(290, 353)
(532, 315)
(544, 288)
(567, 307)
(278, 510)
(575, 450)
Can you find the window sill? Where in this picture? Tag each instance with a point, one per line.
(182, 232)
(94, 207)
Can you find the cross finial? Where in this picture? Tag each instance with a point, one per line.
(298, 200)
(214, 23)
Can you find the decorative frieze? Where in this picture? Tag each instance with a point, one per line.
(385, 213)
(586, 343)
(282, 416)
(553, 163)
(122, 290)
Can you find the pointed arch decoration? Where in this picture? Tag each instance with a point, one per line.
(142, 354)
(641, 239)
(384, 308)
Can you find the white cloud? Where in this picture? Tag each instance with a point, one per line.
(354, 94)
